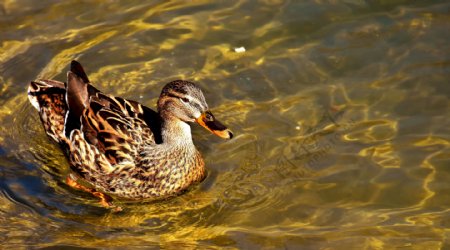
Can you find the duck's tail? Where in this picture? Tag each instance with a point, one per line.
(48, 97)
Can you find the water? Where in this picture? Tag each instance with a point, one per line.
(340, 111)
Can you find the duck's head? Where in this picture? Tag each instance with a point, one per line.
(185, 101)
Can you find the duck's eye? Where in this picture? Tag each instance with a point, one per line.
(209, 117)
(184, 99)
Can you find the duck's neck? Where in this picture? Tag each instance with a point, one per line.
(175, 163)
(175, 132)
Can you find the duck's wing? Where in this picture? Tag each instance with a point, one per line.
(78, 93)
(117, 127)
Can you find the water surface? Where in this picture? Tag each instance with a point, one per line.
(340, 111)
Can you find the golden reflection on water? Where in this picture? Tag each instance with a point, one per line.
(340, 112)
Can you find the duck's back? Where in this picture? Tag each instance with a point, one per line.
(51, 99)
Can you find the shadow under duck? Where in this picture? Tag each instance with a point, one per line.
(121, 147)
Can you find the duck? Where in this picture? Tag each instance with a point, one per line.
(120, 148)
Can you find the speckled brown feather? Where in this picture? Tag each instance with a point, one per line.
(48, 97)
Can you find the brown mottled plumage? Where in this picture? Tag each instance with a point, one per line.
(119, 146)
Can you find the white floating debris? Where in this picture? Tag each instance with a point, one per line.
(297, 127)
(239, 49)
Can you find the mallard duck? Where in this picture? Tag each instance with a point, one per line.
(120, 147)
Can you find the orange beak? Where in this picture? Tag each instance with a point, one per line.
(208, 121)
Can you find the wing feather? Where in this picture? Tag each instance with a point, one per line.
(115, 126)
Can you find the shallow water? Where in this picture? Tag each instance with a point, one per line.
(340, 111)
